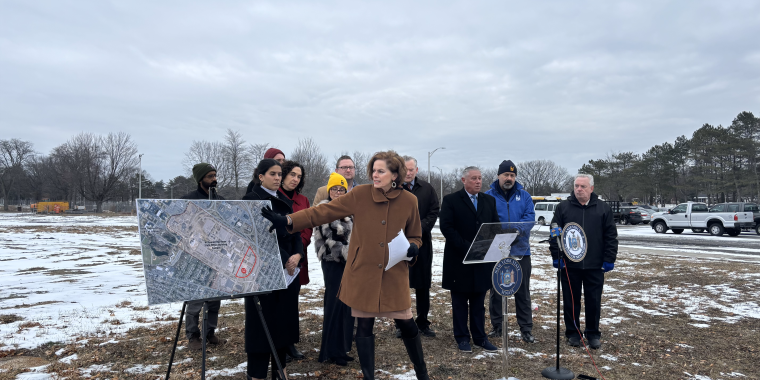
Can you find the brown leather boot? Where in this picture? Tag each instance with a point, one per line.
(213, 339)
(195, 343)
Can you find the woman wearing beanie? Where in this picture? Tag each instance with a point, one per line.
(293, 179)
(280, 308)
(380, 211)
(331, 243)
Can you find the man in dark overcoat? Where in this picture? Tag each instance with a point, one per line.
(462, 213)
(205, 176)
(421, 273)
(595, 217)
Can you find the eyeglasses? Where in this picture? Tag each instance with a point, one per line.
(346, 167)
(209, 176)
(339, 190)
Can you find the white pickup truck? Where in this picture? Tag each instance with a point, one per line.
(697, 217)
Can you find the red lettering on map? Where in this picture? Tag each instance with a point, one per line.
(244, 271)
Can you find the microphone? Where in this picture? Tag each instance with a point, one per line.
(554, 232)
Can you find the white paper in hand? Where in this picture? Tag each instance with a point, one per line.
(288, 278)
(397, 249)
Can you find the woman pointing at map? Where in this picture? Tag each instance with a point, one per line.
(381, 210)
(280, 308)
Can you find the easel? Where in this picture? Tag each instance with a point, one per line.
(204, 332)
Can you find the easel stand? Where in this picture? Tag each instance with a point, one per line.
(557, 372)
(204, 332)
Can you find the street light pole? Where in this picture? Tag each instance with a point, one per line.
(430, 154)
(139, 179)
(441, 170)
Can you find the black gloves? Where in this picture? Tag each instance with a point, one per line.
(413, 250)
(279, 222)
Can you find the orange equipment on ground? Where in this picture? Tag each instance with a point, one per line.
(51, 207)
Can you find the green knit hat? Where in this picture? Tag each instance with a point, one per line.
(200, 171)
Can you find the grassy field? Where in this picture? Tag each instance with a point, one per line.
(663, 318)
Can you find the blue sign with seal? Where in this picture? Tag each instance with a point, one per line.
(506, 277)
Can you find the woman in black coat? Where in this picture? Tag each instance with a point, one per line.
(331, 242)
(280, 308)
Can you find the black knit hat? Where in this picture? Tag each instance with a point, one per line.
(200, 171)
(507, 166)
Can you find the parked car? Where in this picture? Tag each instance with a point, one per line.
(545, 212)
(698, 217)
(630, 215)
(646, 215)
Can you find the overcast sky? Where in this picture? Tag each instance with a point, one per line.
(567, 80)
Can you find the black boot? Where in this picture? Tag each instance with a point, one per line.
(365, 347)
(414, 349)
(294, 353)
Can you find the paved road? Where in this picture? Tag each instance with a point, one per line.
(643, 239)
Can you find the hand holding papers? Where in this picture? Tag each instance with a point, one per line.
(289, 278)
(397, 249)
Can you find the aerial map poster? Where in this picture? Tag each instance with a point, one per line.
(198, 249)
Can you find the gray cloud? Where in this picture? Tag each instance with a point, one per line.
(567, 81)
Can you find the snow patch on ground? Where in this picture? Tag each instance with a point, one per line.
(240, 368)
(140, 369)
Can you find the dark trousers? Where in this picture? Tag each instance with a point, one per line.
(423, 307)
(337, 324)
(592, 282)
(524, 312)
(258, 362)
(472, 304)
(192, 315)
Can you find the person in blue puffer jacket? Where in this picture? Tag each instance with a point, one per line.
(514, 204)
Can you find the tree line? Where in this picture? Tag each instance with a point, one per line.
(101, 168)
(717, 164)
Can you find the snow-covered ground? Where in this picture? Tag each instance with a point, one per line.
(83, 278)
(80, 276)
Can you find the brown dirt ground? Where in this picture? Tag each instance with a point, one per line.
(656, 340)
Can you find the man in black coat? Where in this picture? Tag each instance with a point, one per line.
(596, 219)
(421, 273)
(205, 175)
(462, 213)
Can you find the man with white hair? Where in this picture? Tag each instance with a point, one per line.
(462, 213)
(595, 217)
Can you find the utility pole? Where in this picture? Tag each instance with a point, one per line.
(441, 170)
(139, 180)
(430, 154)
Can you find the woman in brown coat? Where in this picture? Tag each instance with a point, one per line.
(380, 211)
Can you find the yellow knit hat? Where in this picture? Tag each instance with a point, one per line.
(337, 180)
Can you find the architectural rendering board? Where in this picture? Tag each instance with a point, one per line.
(198, 249)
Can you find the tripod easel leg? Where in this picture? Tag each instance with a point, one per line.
(176, 338)
(204, 331)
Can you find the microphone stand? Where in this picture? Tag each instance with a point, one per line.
(557, 372)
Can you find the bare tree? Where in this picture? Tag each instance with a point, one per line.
(97, 164)
(14, 154)
(213, 153)
(239, 160)
(542, 176)
(257, 153)
(314, 162)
